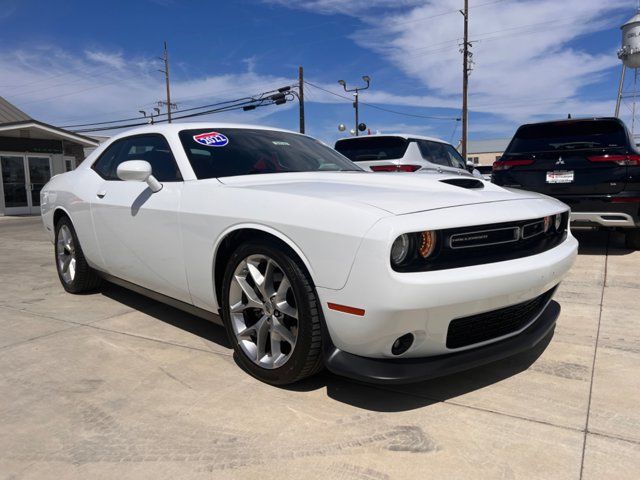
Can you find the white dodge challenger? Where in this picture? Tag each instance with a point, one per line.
(307, 260)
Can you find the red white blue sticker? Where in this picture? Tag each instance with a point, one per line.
(211, 139)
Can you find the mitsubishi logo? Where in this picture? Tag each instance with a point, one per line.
(560, 161)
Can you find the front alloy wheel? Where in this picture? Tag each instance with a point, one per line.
(271, 312)
(263, 311)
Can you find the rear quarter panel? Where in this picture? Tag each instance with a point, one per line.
(71, 192)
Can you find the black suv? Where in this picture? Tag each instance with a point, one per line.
(592, 165)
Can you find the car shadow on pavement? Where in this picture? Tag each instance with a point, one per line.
(167, 314)
(397, 398)
(379, 398)
(600, 242)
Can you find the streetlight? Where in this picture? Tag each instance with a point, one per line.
(367, 80)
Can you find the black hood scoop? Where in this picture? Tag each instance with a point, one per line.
(470, 183)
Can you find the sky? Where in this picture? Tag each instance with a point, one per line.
(75, 62)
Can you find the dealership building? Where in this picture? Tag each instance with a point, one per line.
(31, 152)
(485, 152)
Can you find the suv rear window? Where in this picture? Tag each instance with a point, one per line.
(568, 136)
(372, 148)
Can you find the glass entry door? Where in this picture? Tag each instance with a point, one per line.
(39, 169)
(22, 179)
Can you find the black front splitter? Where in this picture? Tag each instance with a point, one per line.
(410, 370)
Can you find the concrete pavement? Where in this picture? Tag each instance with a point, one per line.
(114, 385)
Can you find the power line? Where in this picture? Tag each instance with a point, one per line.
(397, 112)
(248, 99)
(259, 100)
(208, 112)
(449, 12)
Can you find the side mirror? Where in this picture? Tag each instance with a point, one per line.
(138, 171)
(470, 166)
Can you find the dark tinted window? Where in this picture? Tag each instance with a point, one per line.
(106, 164)
(440, 154)
(372, 148)
(239, 151)
(150, 148)
(568, 136)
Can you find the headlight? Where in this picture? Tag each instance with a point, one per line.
(558, 221)
(427, 243)
(400, 249)
(412, 246)
(546, 224)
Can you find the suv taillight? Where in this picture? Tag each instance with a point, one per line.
(507, 164)
(395, 168)
(632, 160)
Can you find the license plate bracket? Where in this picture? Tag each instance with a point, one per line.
(560, 176)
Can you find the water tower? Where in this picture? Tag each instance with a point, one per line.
(630, 56)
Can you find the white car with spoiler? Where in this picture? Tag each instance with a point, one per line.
(307, 260)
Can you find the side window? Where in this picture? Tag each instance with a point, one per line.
(456, 158)
(106, 164)
(434, 152)
(150, 148)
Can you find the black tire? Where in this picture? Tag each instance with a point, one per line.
(633, 239)
(306, 357)
(85, 278)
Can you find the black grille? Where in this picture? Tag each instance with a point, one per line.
(486, 326)
(483, 244)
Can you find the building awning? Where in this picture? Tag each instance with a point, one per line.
(39, 130)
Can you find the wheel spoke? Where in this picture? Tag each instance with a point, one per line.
(66, 235)
(65, 263)
(283, 288)
(276, 352)
(267, 286)
(253, 301)
(72, 267)
(246, 333)
(263, 282)
(287, 309)
(262, 332)
(283, 333)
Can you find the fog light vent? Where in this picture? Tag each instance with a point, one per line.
(402, 344)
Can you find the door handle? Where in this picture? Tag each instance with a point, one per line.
(101, 194)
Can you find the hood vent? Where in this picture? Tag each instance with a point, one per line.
(464, 182)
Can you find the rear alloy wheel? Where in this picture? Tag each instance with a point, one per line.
(633, 239)
(271, 315)
(75, 274)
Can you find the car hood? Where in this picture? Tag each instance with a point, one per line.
(396, 193)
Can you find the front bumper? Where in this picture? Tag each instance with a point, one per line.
(425, 303)
(409, 370)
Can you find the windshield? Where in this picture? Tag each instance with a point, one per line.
(372, 148)
(568, 136)
(228, 152)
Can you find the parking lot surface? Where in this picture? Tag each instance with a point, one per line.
(114, 385)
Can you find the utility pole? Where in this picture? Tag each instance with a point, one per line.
(355, 105)
(465, 79)
(301, 97)
(165, 59)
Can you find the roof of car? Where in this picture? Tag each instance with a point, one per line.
(401, 135)
(178, 127)
(572, 120)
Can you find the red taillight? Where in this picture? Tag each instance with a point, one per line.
(632, 160)
(507, 164)
(395, 168)
(626, 200)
